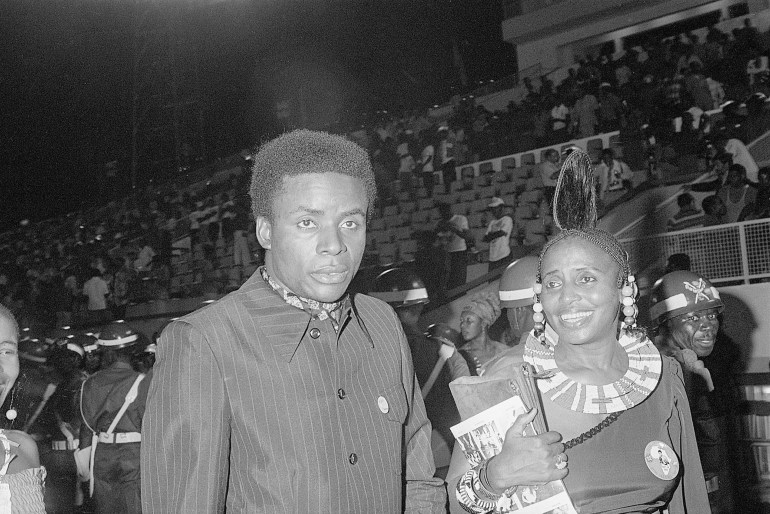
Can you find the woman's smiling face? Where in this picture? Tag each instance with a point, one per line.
(580, 296)
(9, 354)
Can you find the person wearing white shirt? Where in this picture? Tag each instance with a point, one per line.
(498, 235)
(457, 232)
(613, 176)
(97, 290)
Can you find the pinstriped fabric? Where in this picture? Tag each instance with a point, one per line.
(244, 413)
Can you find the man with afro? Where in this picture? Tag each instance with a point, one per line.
(291, 394)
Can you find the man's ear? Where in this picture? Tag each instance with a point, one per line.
(264, 232)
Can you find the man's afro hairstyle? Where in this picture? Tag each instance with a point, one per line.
(302, 152)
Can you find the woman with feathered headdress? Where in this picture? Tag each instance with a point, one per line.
(621, 435)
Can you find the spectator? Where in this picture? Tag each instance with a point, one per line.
(446, 156)
(97, 291)
(459, 240)
(678, 262)
(614, 177)
(610, 109)
(760, 208)
(714, 211)
(498, 235)
(548, 171)
(584, 115)
(559, 121)
(426, 164)
(688, 215)
(738, 194)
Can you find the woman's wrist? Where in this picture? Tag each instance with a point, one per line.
(490, 478)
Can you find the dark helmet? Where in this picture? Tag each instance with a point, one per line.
(680, 292)
(444, 333)
(34, 349)
(58, 334)
(517, 281)
(88, 341)
(118, 335)
(399, 287)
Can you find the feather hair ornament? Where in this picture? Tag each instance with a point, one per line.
(574, 202)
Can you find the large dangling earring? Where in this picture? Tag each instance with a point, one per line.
(538, 315)
(630, 309)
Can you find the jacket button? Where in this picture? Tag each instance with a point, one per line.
(353, 458)
(315, 333)
(341, 393)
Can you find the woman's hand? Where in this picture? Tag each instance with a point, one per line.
(527, 460)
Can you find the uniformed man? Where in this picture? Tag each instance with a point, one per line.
(436, 361)
(685, 308)
(93, 358)
(112, 405)
(60, 422)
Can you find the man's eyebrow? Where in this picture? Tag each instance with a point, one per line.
(318, 212)
(12, 343)
(354, 212)
(309, 210)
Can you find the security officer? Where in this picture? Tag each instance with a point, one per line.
(145, 360)
(685, 308)
(517, 296)
(436, 361)
(93, 358)
(112, 405)
(60, 422)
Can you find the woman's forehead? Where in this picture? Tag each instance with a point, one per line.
(576, 252)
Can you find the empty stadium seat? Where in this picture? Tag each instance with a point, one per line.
(528, 158)
(532, 197)
(486, 168)
(467, 196)
(407, 249)
(377, 224)
(389, 210)
(486, 192)
(480, 205)
(424, 204)
(387, 254)
(533, 184)
(408, 207)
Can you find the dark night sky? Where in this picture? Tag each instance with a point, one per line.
(66, 76)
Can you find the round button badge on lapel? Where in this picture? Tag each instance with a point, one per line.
(315, 333)
(382, 403)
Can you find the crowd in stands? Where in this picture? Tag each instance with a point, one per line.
(85, 268)
(88, 266)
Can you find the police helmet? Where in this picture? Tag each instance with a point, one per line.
(680, 292)
(117, 335)
(399, 287)
(515, 288)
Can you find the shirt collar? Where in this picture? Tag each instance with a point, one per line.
(319, 310)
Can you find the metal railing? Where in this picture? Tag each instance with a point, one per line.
(735, 252)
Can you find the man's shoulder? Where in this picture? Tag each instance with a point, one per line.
(253, 292)
(368, 307)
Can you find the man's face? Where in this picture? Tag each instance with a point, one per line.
(553, 157)
(696, 331)
(735, 178)
(719, 207)
(317, 236)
